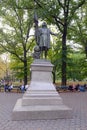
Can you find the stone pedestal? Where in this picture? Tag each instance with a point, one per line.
(41, 100)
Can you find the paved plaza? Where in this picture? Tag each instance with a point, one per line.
(75, 100)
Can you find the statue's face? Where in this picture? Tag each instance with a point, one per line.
(44, 25)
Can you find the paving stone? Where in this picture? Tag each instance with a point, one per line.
(77, 101)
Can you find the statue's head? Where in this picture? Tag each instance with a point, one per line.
(44, 24)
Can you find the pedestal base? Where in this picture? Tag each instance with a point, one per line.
(41, 100)
(40, 112)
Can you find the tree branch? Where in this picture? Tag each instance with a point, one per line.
(29, 45)
(60, 4)
(38, 3)
(75, 8)
(20, 26)
(11, 52)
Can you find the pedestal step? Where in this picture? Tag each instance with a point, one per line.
(40, 112)
(42, 101)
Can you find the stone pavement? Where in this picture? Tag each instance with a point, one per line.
(75, 100)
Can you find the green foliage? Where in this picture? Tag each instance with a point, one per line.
(15, 36)
(17, 21)
(54, 55)
(78, 29)
(76, 66)
(17, 67)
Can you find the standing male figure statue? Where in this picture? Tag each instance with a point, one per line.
(43, 39)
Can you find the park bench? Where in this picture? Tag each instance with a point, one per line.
(62, 88)
(15, 89)
(1, 88)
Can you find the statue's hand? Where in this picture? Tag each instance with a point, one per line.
(56, 34)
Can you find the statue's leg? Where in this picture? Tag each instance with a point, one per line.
(46, 52)
(41, 52)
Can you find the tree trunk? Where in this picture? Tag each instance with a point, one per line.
(54, 76)
(64, 47)
(64, 54)
(25, 72)
(25, 68)
(86, 51)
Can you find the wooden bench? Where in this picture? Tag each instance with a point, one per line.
(62, 88)
(15, 89)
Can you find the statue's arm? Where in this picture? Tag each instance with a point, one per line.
(38, 37)
(55, 34)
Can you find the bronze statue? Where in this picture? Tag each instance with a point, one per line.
(36, 54)
(42, 37)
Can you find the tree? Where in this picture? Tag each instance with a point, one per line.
(60, 13)
(15, 36)
(76, 66)
(3, 68)
(78, 30)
